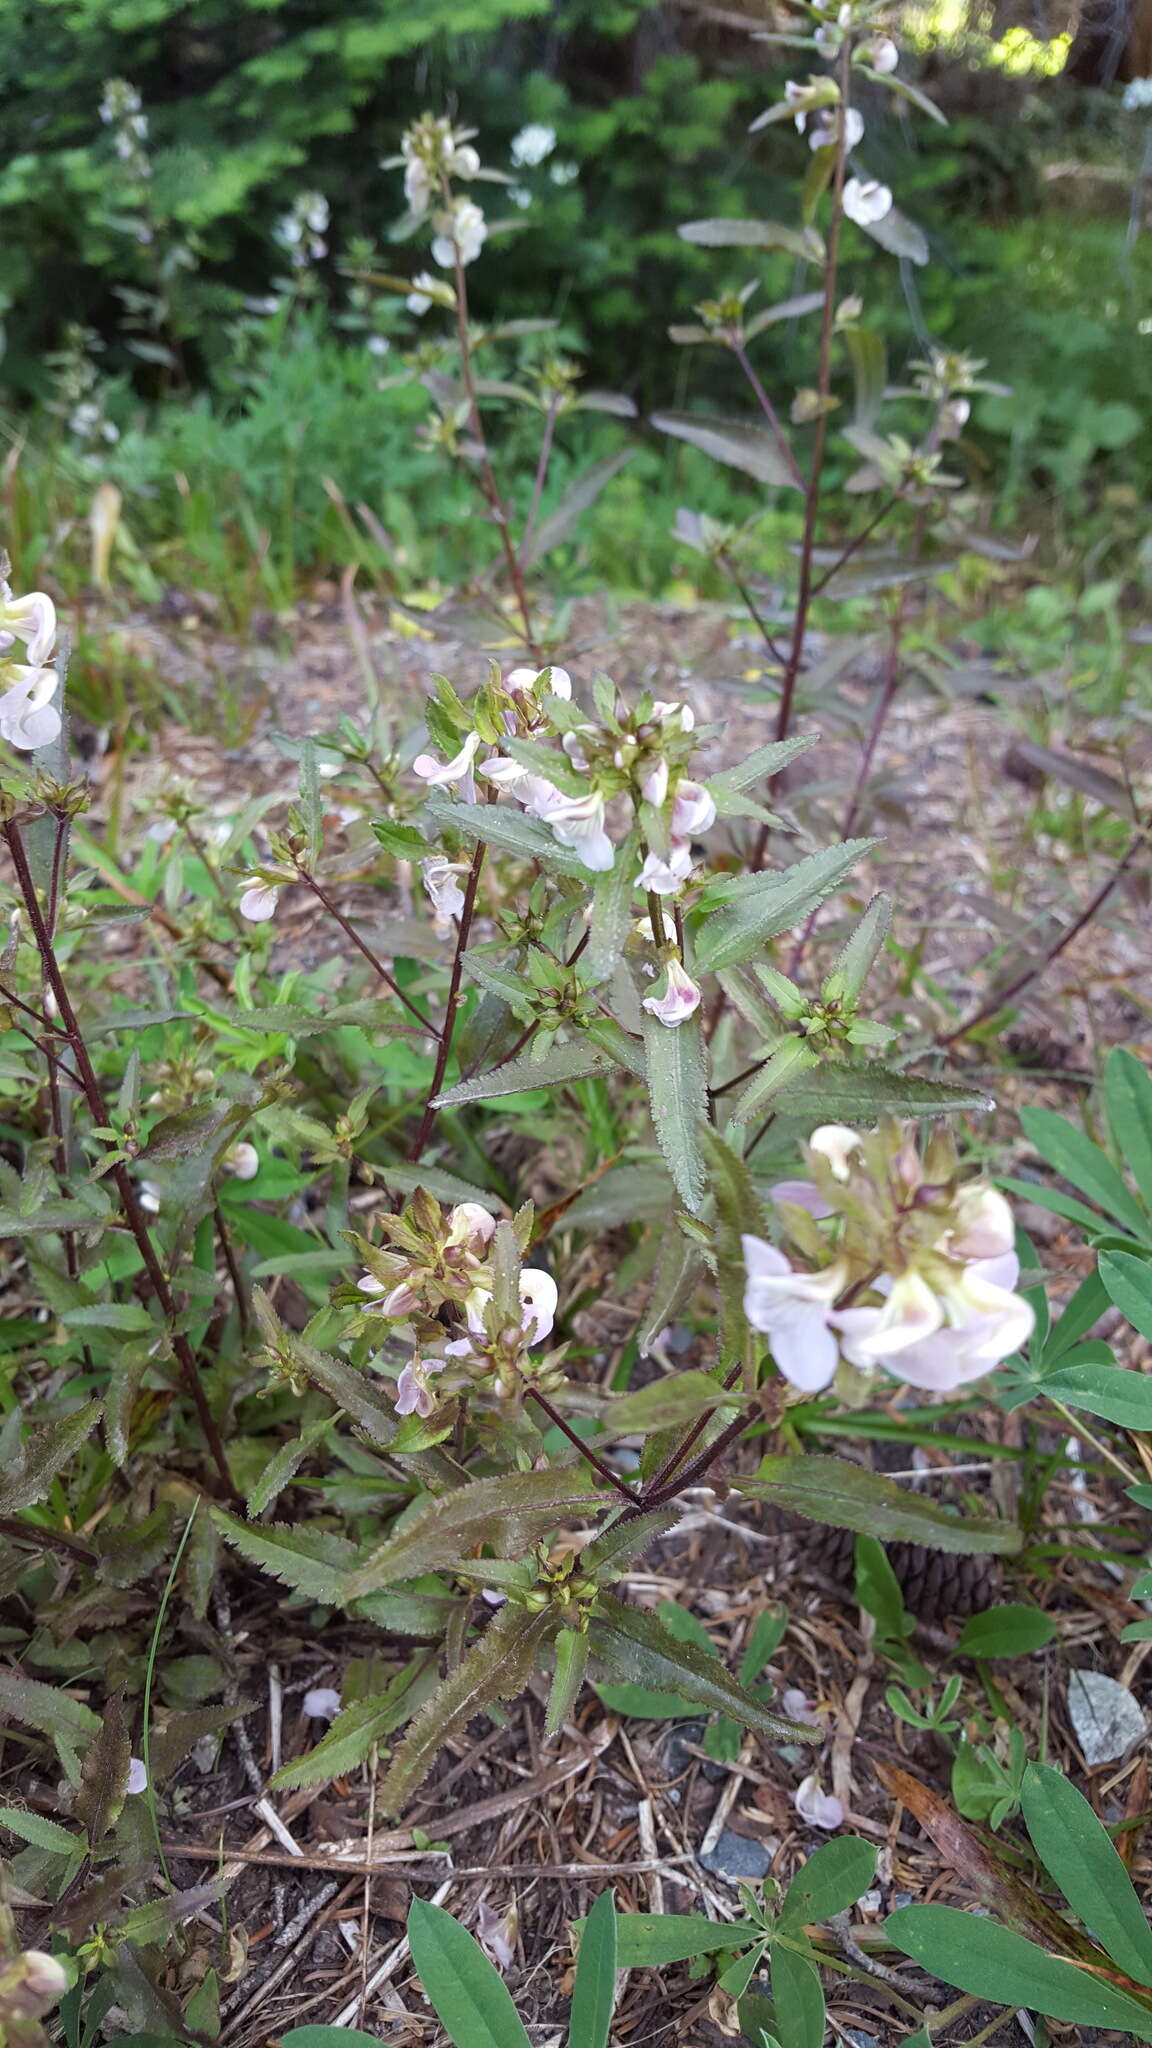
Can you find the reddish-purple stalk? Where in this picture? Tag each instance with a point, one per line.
(989, 1008)
(540, 478)
(487, 475)
(769, 412)
(452, 1006)
(349, 930)
(122, 1180)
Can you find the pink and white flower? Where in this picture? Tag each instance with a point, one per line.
(654, 787)
(881, 53)
(460, 234)
(322, 1703)
(578, 822)
(666, 877)
(539, 682)
(28, 718)
(975, 1321)
(470, 1226)
(983, 1227)
(538, 1300)
(414, 1396)
(30, 619)
(458, 771)
(793, 1310)
(693, 810)
(675, 997)
(819, 1809)
(259, 900)
(442, 886)
(391, 1298)
(666, 713)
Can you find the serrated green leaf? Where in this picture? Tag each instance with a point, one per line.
(639, 1646)
(47, 1708)
(858, 958)
(45, 1452)
(406, 842)
(752, 234)
(572, 1061)
(571, 1664)
(849, 1497)
(611, 915)
(283, 1467)
(104, 1772)
(664, 1403)
(314, 1562)
(511, 830)
(677, 1076)
(841, 1093)
(41, 1833)
(756, 908)
(509, 1512)
(350, 1739)
(784, 1066)
(496, 1668)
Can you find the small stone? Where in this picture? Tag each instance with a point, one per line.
(1105, 1716)
(737, 1857)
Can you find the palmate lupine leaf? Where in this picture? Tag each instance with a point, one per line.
(509, 1512)
(831, 1490)
(636, 1644)
(496, 1668)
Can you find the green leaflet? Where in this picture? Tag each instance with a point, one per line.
(756, 908)
(678, 1096)
(1077, 1850)
(314, 1562)
(831, 1490)
(1128, 1099)
(1009, 1631)
(594, 1992)
(991, 1961)
(1091, 1172)
(350, 1739)
(798, 1997)
(1128, 1281)
(761, 763)
(611, 915)
(653, 1939)
(509, 1511)
(470, 1997)
(835, 1876)
(496, 1667)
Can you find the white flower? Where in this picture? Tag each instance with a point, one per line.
(538, 1298)
(259, 900)
(413, 1394)
(32, 619)
(664, 713)
(41, 1976)
(463, 161)
(470, 1225)
(520, 196)
(539, 682)
(563, 174)
(866, 201)
(397, 1298)
(666, 877)
(1137, 94)
(654, 786)
(457, 771)
(822, 133)
(836, 1143)
(693, 810)
(983, 1226)
(533, 144)
(798, 1706)
(975, 1321)
(496, 1932)
(793, 1310)
(442, 885)
(461, 233)
(417, 184)
(675, 997)
(243, 1161)
(578, 822)
(137, 1776)
(881, 54)
(28, 718)
(819, 1809)
(322, 1703)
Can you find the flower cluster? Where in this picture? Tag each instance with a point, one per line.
(28, 717)
(122, 110)
(302, 232)
(433, 154)
(456, 1279)
(916, 1272)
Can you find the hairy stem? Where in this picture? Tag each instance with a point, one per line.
(611, 1478)
(349, 930)
(452, 1006)
(769, 412)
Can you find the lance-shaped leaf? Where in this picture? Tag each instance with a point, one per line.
(620, 1545)
(469, 1996)
(45, 1452)
(663, 1403)
(594, 1992)
(496, 1668)
(899, 235)
(569, 1062)
(677, 1078)
(571, 1664)
(755, 908)
(738, 1212)
(759, 766)
(856, 961)
(1128, 1096)
(785, 309)
(859, 1094)
(47, 1708)
(512, 830)
(869, 360)
(104, 1772)
(350, 1739)
(791, 1058)
(578, 499)
(1077, 1850)
(509, 1512)
(798, 1996)
(611, 915)
(992, 1962)
(739, 444)
(752, 234)
(637, 1645)
(848, 1497)
(314, 1562)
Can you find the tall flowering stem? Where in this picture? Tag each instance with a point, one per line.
(121, 1178)
(453, 1004)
